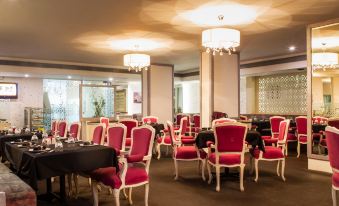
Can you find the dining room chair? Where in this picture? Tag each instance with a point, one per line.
(185, 153)
(62, 128)
(98, 134)
(150, 119)
(274, 153)
(333, 122)
(134, 167)
(301, 131)
(332, 139)
(130, 124)
(116, 137)
(222, 120)
(196, 128)
(274, 122)
(54, 126)
(74, 130)
(229, 150)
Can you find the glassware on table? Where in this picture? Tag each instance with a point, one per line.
(71, 138)
(58, 145)
(45, 139)
(34, 139)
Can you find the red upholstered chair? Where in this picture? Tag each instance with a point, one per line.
(130, 124)
(105, 121)
(243, 117)
(74, 130)
(273, 153)
(332, 139)
(98, 134)
(229, 150)
(129, 175)
(116, 137)
(184, 153)
(275, 122)
(196, 124)
(54, 126)
(179, 135)
(319, 120)
(301, 123)
(333, 122)
(62, 128)
(149, 120)
(222, 120)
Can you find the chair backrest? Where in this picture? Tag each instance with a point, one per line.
(142, 140)
(54, 125)
(230, 137)
(332, 141)
(130, 124)
(183, 125)
(218, 115)
(116, 136)
(243, 117)
(319, 120)
(196, 120)
(333, 122)
(301, 123)
(178, 118)
(74, 130)
(275, 123)
(150, 119)
(222, 120)
(62, 128)
(98, 134)
(171, 133)
(105, 121)
(283, 131)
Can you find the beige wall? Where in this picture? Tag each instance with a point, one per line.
(160, 92)
(30, 94)
(317, 93)
(250, 95)
(226, 84)
(335, 86)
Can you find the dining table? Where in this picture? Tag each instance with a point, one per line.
(13, 137)
(45, 164)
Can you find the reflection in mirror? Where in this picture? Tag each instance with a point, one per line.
(325, 83)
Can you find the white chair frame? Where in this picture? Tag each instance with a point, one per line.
(214, 122)
(65, 132)
(217, 165)
(282, 144)
(116, 192)
(148, 117)
(299, 135)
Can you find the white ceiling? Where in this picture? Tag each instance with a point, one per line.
(83, 30)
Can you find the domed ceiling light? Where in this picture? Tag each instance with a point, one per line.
(137, 61)
(220, 40)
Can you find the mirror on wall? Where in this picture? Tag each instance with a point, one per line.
(325, 83)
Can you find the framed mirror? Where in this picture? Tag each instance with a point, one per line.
(323, 84)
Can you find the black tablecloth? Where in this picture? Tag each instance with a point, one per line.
(316, 128)
(253, 138)
(9, 138)
(72, 159)
(263, 126)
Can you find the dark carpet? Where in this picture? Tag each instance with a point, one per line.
(302, 187)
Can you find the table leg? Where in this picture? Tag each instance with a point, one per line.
(62, 188)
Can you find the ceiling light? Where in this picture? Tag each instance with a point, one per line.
(291, 48)
(220, 39)
(110, 79)
(26, 75)
(137, 62)
(69, 77)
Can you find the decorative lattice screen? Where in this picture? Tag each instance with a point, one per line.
(282, 94)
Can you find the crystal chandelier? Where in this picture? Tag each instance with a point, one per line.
(220, 40)
(325, 60)
(137, 62)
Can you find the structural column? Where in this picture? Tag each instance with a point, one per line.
(157, 92)
(220, 91)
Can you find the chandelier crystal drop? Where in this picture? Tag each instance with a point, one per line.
(325, 60)
(220, 40)
(137, 62)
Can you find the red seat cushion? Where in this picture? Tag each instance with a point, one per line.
(167, 140)
(303, 138)
(266, 137)
(128, 142)
(270, 153)
(135, 158)
(186, 152)
(335, 179)
(188, 141)
(226, 159)
(270, 141)
(291, 137)
(323, 143)
(187, 137)
(109, 177)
